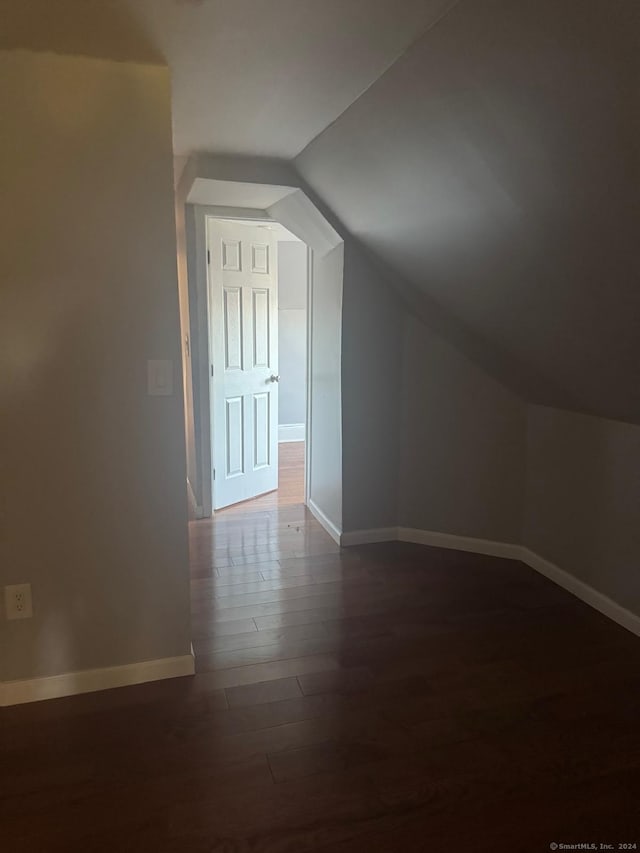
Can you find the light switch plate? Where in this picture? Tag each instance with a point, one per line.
(17, 601)
(159, 378)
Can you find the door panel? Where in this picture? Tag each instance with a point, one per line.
(261, 425)
(260, 327)
(233, 328)
(244, 357)
(260, 258)
(234, 428)
(231, 255)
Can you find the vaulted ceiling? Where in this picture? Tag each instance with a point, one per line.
(256, 77)
(487, 151)
(496, 166)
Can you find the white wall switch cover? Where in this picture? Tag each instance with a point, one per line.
(159, 378)
(17, 601)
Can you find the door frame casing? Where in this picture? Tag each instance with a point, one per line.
(309, 414)
(200, 330)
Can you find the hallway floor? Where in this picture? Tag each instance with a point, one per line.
(391, 697)
(290, 491)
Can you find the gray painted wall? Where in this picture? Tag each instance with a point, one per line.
(93, 510)
(462, 444)
(477, 461)
(197, 303)
(371, 367)
(325, 459)
(583, 499)
(185, 338)
(292, 332)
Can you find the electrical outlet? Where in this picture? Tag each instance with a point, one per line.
(17, 601)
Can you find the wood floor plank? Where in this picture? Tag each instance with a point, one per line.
(218, 587)
(301, 617)
(257, 638)
(230, 659)
(268, 671)
(262, 692)
(279, 593)
(221, 613)
(225, 628)
(336, 681)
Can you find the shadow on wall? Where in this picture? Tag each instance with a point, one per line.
(462, 456)
(583, 499)
(76, 27)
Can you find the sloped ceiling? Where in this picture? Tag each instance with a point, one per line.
(496, 167)
(487, 151)
(256, 77)
(264, 77)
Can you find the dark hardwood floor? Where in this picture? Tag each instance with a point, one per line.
(391, 697)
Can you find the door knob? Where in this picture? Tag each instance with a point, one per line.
(274, 378)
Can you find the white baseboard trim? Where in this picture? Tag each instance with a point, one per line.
(291, 432)
(430, 537)
(328, 525)
(460, 543)
(510, 551)
(363, 537)
(598, 600)
(91, 680)
(195, 508)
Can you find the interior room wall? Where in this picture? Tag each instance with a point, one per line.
(185, 338)
(583, 499)
(462, 456)
(292, 332)
(388, 413)
(93, 510)
(325, 475)
(371, 371)
(199, 349)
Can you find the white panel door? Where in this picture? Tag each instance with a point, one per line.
(244, 355)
